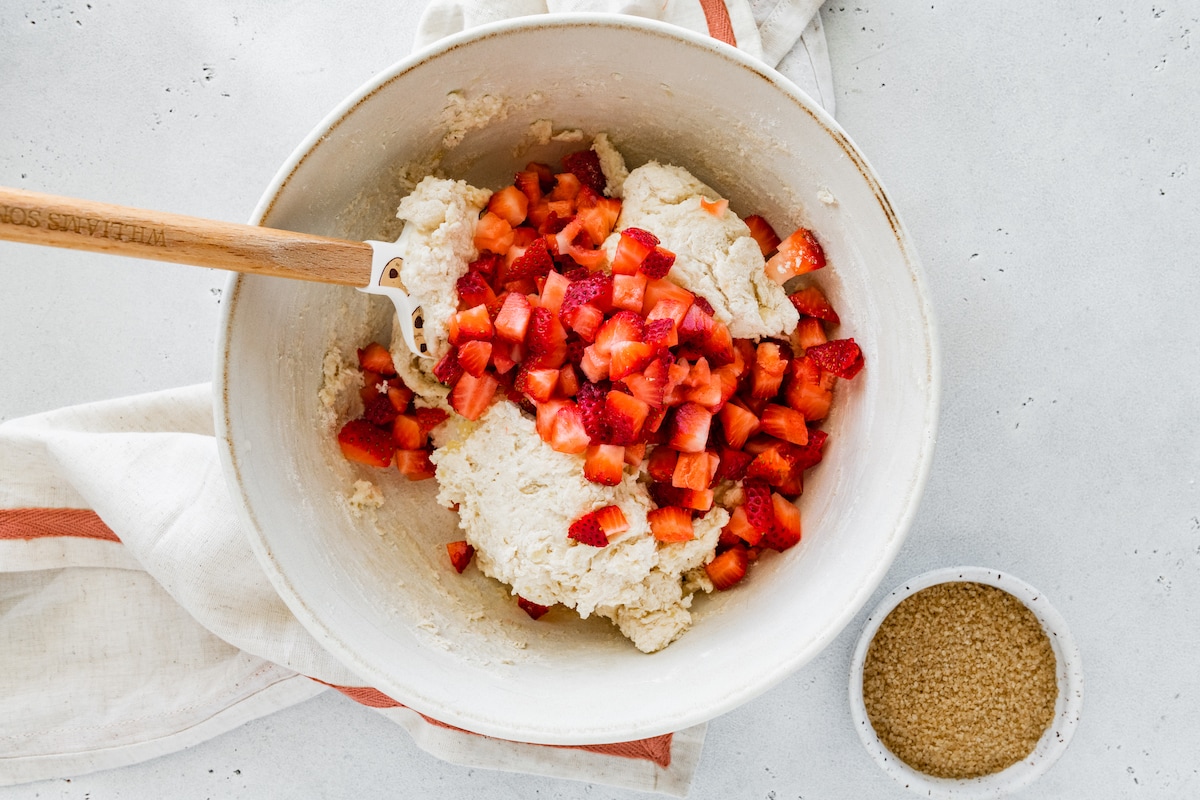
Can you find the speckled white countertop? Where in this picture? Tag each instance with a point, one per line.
(1044, 159)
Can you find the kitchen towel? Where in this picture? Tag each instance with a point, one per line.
(134, 619)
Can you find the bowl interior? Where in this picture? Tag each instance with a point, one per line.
(377, 590)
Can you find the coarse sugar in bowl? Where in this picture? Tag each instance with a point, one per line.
(965, 683)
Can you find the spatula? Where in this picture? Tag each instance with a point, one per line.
(373, 267)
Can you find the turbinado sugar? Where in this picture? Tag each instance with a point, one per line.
(959, 680)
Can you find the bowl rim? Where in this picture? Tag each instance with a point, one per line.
(575, 734)
(1054, 740)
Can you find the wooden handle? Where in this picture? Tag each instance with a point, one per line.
(35, 218)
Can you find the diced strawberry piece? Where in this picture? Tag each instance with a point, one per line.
(554, 292)
(547, 415)
(785, 423)
(505, 355)
(660, 334)
(487, 265)
(493, 233)
(594, 366)
(585, 165)
(763, 233)
(758, 506)
(475, 323)
(810, 455)
(447, 369)
(689, 429)
(657, 263)
(739, 525)
(592, 399)
(698, 374)
(696, 325)
(533, 263)
(624, 415)
(568, 381)
(792, 486)
(786, 530)
(566, 187)
(415, 464)
(539, 384)
(635, 244)
(612, 520)
(596, 290)
(534, 610)
(546, 340)
(733, 465)
(663, 289)
(646, 389)
(399, 397)
(364, 443)
(671, 524)
(674, 391)
(587, 530)
(696, 499)
(727, 569)
(624, 326)
(380, 411)
(661, 464)
(473, 356)
(598, 215)
(842, 357)
(512, 321)
(376, 358)
(808, 333)
(529, 185)
(473, 290)
(798, 254)
(767, 372)
(370, 387)
(460, 554)
(430, 418)
(471, 395)
(737, 425)
(692, 471)
(717, 344)
(407, 433)
(604, 464)
(628, 292)
(804, 391)
(727, 378)
(584, 320)
(770, 465)
(627, 358)
(510, 203)
(568, 434)
(715, 207)
(669, 309)
(635, 454)
(811, 302)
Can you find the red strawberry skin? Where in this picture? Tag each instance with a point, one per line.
(842, 357)
(587, 530)
(365, 443)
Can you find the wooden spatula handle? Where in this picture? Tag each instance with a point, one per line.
(45, 219)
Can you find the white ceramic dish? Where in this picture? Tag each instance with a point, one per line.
(383, 601)
(1067, 708)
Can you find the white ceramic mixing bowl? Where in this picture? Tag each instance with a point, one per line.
(381, 596)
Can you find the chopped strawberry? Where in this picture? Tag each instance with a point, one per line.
(739, 525)
(767, 372)
(635, 454)
(585, 320)
(568, 434)
(473, 356)
(566, 187)
(811, 302)
(612, 520)
(554, 292)
(758, 505)
(493, 233)
(585, 165)
(380, 411)
(415, 464)
(474, 323)
(430, 418)
(737, 425)
(534, 610)
(657, 263)
(763, 233)
(786, 530)
(592, 404)
(696, 499)
(733, 465)
(533, 263)
(512, 321)
(624, 326)
(597, 215)
(810, 455)
(842, 357)
(628, 292)
(689, 429)
(539, 384)
(595, 290)
(635, 244)
(798, 254)
(487, 265)
(604, 464)
(661, 334)
(728, 568)
(460, 554)
(771, 465)
(804, 392)
(645, 388)
(364, 443)
(808, 333)
(661, 464)
(785, 423)
(447, 369)
(595, 527)
(663, 289)
(546, 339)
(568, 381)
(407, 433)
(624, 415)
(511, 204)
(505, 355)
(471, 396)
(376, 358)
(715, 207)
(473, 290)
(529, 185)
(693, 471)
(627, 358)
(671, 524)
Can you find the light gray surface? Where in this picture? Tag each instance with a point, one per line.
(1043, 160)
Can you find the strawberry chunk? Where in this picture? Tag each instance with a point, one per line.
(364, 443)
(804, 391)
(657, 263)
(798, 254)
(512, 321)
(471, 395)
(429, 418)
(661, 464)
(728, 568)
(534, 610)
(759, 510)
(554, 291)
(474, 356)
(510, 204)
(786, 531)
(533, 263)
(612, 520)
(808, 333)
(604, 464)
(628, 292)
(539, 384)
(595, 290)
(407, 433)
(663, 289)
(567, 434)
(671, 524)
(768, 240)
(627, 358)
(785, 423)
(624, 415)
(460, 554)
(811, 302)
(715, 207)
(493, 233)
(689, 429)
(585, 320)
(842, 357)
(737, 425)
(592, 399)
(739, 525)
(379, 411)
(767, 372)
(732, 466)
(473, 290)
(624, 326)
(414, 464)
(585, 165)
(376, 358)
(694, 470)
(546, 339)
(474, 323)
(595, 527)
(632, 248)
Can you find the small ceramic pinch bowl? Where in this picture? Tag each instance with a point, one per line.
(1067, 707)
(376, 589)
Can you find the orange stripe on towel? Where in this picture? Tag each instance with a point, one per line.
(719, 25)
(37, 523)
(656, 748)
